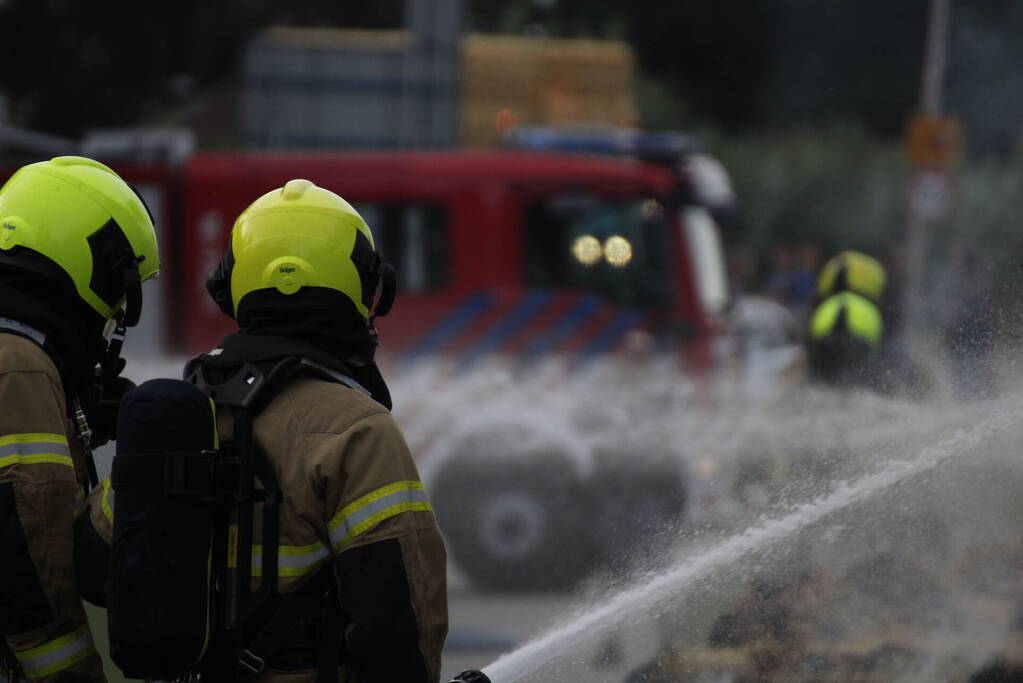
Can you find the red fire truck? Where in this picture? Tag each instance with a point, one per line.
(497, 252)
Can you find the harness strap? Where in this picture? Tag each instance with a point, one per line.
(330, 628)
(317, 593)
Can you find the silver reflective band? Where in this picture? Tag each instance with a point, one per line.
(21, 328)
(57, 655)
(349, 526)
(35, 448)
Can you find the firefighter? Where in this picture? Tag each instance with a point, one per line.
(300, 277)
(846, 324)
(75, 244)
(850, 337)
(845, 335)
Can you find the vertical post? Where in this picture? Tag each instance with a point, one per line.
(432, 73)
(934, 61)
(919, 225)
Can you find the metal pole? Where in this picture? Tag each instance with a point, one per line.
(934, 61)
(432, 72)
(918, 226)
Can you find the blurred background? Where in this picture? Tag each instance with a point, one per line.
(608, 221)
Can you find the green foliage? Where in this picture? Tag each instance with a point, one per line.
(836, 187)
(840, 187)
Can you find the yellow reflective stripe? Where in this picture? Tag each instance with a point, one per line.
(108, 508)
(386, 513)
(352, 521)
(34, 449)
(216, 432)
(292, 560)
(365, 513)
(33, 438)
(58, 654)
(37, 459)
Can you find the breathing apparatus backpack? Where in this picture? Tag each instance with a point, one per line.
(180, 601)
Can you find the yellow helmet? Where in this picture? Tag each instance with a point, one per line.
(852, 271)
(298, 236)
(82, 217)
(847, 313)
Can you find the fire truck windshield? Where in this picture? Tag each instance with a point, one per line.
(616, 248)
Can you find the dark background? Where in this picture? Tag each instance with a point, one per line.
(741, 65)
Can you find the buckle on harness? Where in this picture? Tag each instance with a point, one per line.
(251, 662)
(191, 474)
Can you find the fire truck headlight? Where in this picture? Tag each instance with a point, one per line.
(617, 251)
(586, 250)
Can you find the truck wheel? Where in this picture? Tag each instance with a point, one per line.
(513, 523)
(637, 507)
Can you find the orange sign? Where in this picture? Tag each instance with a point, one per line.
(933, 142)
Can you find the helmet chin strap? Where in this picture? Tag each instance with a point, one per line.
(112, 363)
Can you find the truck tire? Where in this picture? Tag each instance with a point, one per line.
(638, 506)
(513, 523)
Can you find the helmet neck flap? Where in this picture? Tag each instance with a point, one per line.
(74, 332)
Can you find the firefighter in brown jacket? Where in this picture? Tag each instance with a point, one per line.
(75, 244)
(300, 276)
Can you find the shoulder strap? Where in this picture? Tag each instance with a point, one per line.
(248, 386)
(247, 389)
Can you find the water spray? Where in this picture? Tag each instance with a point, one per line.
(651, 592)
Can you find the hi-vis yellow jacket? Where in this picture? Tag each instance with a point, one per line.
(353, 497)
(42, 471)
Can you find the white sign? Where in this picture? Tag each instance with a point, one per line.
(930, 194)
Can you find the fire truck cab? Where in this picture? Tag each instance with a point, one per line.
(510, 251)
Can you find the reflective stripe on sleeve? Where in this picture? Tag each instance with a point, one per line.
(365, 513)
(32, 449)
(107, 501)
(354, 520)
(292, 560)
(58, 654)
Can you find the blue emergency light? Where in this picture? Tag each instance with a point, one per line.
(657, 147)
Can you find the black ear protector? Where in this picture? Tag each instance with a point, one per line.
(218, 283)
(387, 280)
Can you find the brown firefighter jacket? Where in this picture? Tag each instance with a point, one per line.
(42, 471)
(352, 497)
